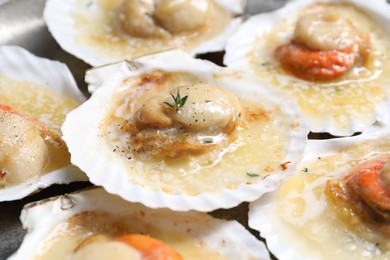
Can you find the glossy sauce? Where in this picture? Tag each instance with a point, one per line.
(45, 104)
(308, 215)
(65, 237)
(97, 28)
(256, 148)
(40, 101)
(352, 97)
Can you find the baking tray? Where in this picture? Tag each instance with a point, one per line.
(21, 24)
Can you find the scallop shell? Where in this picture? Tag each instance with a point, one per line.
(290, 234)
(94, 157)
(228, 238)
(241, 53)
(17, 63)
(59, 16)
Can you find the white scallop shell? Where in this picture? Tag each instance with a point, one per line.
(17, 63)
(61, 24)
(94, 157)
(265, 217)
(241, 45)
(226, 237)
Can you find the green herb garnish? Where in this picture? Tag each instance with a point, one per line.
(252, 174)
(207, 101)
(178, 101)
(305, 170)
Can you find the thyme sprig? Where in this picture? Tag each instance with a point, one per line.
(252, 174)
(178, 101)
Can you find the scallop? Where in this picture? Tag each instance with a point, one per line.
(106, 31)
(184, 135)
(90, 222)
(334, 206)
(36, 94)
(331, 56)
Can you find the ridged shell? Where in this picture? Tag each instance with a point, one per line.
(348, 118)
(226, 237)
(105, 168)
(18, 64)
(301, 232)
(59, 16)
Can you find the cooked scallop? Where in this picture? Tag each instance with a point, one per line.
(23, 152)
(35, 96)
(335, 206)
(106, 31)
(93, 224)
(183, 135)
(332, 56)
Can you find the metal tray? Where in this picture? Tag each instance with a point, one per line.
(21, 24)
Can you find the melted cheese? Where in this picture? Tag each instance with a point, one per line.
(255, 146)
(66, 236)
(99, 28)
(307, 215)
(352, 97)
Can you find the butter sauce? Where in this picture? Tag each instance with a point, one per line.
(48, 106)
(307, 214)
(255, 145)
(66, 235)
(352, 98)
(100, 28)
